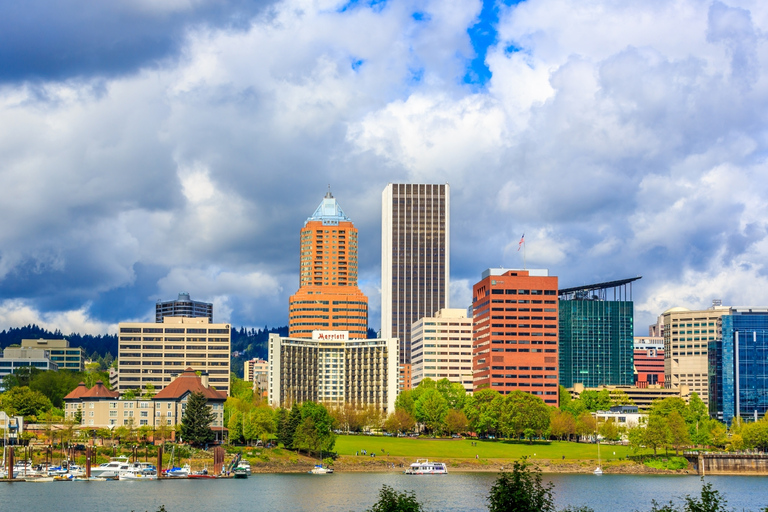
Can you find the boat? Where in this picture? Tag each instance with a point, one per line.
(67, 468)
(319, 469)
(178, 472)
(136, 474)
(245, 466)
(113, 468)
(424, 467)
(599, 470)
(203, 473)
(239, 472)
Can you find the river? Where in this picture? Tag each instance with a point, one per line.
(358, 491)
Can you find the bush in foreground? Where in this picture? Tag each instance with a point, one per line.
(391, 500)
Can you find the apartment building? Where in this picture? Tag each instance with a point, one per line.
(441, 348)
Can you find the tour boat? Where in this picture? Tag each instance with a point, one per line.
(244, 465)
(424, 467)
(239, 472)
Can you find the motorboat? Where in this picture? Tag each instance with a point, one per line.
(113, 468)
(319, 469)
(136, 473)
(424, 467)
(67, 468)
(203, 473)
(245, 466)
(239, 472)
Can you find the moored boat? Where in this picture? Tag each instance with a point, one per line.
(239, 472)
(424, 467)
(321, 470)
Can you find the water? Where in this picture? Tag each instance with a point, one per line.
(358, 491)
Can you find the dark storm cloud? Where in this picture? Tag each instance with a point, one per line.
(59, 39)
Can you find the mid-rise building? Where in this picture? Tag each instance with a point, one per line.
(101, 408)
(738, 366)
(183, 306)
(152, 353)
(257, 372)
(65, 357)
(334, 369)
(644, 398)
(596, 335)
(328, 297)
(687, 335)
(415, 257)
(441, 348)
(515, 332)
(649, 361)
(17, 359)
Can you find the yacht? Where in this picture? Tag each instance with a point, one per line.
(319, 469)
(424, 467)
(113, 468)
(136, 473)
(245, 466)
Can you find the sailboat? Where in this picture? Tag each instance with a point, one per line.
(599, 470)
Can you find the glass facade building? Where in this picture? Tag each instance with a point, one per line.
(596, 342)
(738, 366)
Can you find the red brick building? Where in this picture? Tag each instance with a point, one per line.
(515, 333)
(649, 361)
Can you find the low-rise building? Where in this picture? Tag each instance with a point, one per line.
(441, 348)
(65, 357)
(16, 358)
(649, 361)
(333, 369)
(641, 397)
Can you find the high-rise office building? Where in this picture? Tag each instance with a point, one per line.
(152, 353)
(333, 369)
(183, 306)
(515, 334)
(686, 337)
(328, 297)
(415, 259)
(442, 348)
(738, 366)
(596, 335)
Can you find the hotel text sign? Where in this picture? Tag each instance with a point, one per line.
(330, 335)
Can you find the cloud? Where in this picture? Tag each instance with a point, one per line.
(16, 313)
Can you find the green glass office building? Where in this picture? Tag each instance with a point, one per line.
(597, 335)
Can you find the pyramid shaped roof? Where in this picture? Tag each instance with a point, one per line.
(76, 393)
(188, 382)
(329, 212)
(100, 391)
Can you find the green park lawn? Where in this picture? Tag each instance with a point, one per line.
(463, 449)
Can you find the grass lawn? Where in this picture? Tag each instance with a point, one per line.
(463, 449)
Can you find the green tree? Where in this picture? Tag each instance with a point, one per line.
(456, 421)
(314, 432)
(129, 394)
(562, 424)
(23, 401)
(149, 391)
(430, 409)
(521, 490)
(196, 421)
(656, 433)
(235, 427)
(609, 431)
(260, 423)
(522, 411)
(391, 500)
(586, 425)
(405, 402)
(755, 435)
(678, 431)
(453, 392)
(400, 421)
(483, 409)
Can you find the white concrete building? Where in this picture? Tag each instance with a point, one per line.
(441, 347)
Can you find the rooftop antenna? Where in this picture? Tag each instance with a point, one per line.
(329, 195)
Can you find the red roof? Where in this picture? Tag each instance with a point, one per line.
(76, 393)
(188, 382)
(100, 391)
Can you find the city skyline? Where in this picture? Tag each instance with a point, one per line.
(157, 148)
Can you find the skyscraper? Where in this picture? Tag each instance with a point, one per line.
(328, 298)
(514, 342)
(596, 335)
(415, 260)
(183, 306)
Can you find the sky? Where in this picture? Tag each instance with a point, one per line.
(151, 147)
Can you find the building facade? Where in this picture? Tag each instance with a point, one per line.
(65, 357)
(101, 408)
(441, 348)
(151, 353)
(257, 372)
(686, 339)
(515, 333)
(415, 257)
(649, 361)
(183, 306)
(334, 369)
(16, 359)
(597, 335)
(738, 366)
(328, 297)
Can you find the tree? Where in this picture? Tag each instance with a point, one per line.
(196, 421)
(400, 421)
(562, 424)
(483, 410)
(391, 500)
(610, 431)
(314, 432)
(756, 435)
(456, 421)
(430, 409)
(235, 426)
(259, 424)
(656, 433)
(23, 401)
(149, 390)
(522, 411)
(453, 392)
(678, 431)
(585, 425)
(521, 490)
(405, 401)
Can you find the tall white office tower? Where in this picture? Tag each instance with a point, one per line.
(415, 258)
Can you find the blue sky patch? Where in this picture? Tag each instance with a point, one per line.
(483, 34)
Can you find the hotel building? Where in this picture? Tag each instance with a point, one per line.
(65, 357)
(686, 338)
(596, 335)
(441, 348)
(152, 353)
(334, 369)
(328, 297)
(183, 306)
(415, 257)
(515, 332)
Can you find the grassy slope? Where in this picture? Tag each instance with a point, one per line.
(462, 448)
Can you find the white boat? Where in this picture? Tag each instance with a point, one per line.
(598, 471)
(112, 468)
(245, 466)
(424, 467)
(182, 472)
(67, 468)
(321, 470)
(136, 474)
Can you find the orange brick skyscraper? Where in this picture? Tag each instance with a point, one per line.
(328, 298)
